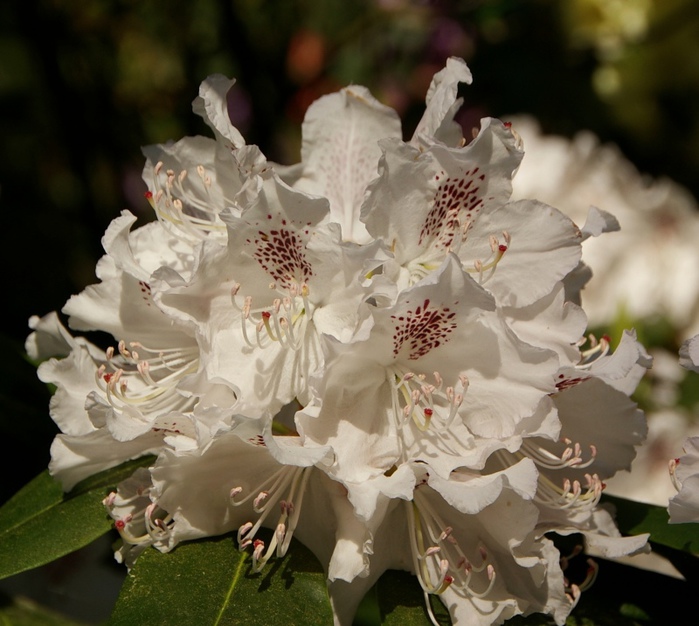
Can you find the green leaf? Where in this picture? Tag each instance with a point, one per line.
(401, 601)
(634, 518)
(40, 523)
(208, 583)
(397, 600)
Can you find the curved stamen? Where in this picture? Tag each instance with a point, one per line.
(570, 457)
(597, 349)
(574, 591)
(144, 523)
(432, 258)
(155, 377)
(283, 322)
(572, 494)
(289, 482)
(414, 398)
(437, 557)
(193, 217)
(481, 266)
(672, 467)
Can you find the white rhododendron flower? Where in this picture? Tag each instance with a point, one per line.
(684, 507)
(375, 351)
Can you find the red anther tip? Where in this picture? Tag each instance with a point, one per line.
(107, 377)
(677, 460)
(119, 524)
(258, 542)
(148, 194)
(502, 248)
(429, 412)
(266, 314)
(507, 124)
(606, 338)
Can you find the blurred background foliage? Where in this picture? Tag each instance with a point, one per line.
(84, 83)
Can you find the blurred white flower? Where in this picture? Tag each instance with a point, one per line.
(651, 266)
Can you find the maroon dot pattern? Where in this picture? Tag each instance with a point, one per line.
(145, 292)
(454, 196)
(281, 252)
(564, 383)
(423, 329)
(167, 428)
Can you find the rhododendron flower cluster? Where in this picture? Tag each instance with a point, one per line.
(374, 351)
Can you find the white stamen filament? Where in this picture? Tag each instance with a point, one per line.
(437, 556)
(157, 373)
(481, 266)
(156, 524)
(283, 322)
(672, 467)
(194, 216)
(288, 481)
(572, 494)
(570, 457)
(413, 398)
(597, 349)
(432, 258)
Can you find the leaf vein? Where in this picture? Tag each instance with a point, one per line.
(226, 601)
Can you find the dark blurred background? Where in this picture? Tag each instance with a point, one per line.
(84, 84)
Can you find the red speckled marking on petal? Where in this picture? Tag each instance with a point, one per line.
(281, 252)
(423, 329)
(454, 196)
(566, 383)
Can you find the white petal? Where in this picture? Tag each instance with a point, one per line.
(625, 367)
(552, 323)
(594, 413)
(49, 338)
(74, 377)
(470, 493)
(212, 106)
(340, 152)
(599, 222)
(684, 507)
(544, 248)
(76, 458)
(438, 119)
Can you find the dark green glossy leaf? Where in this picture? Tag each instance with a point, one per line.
(397, 600)
(209, 583)
(634, 518)
(40, 523)
(401, 601)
